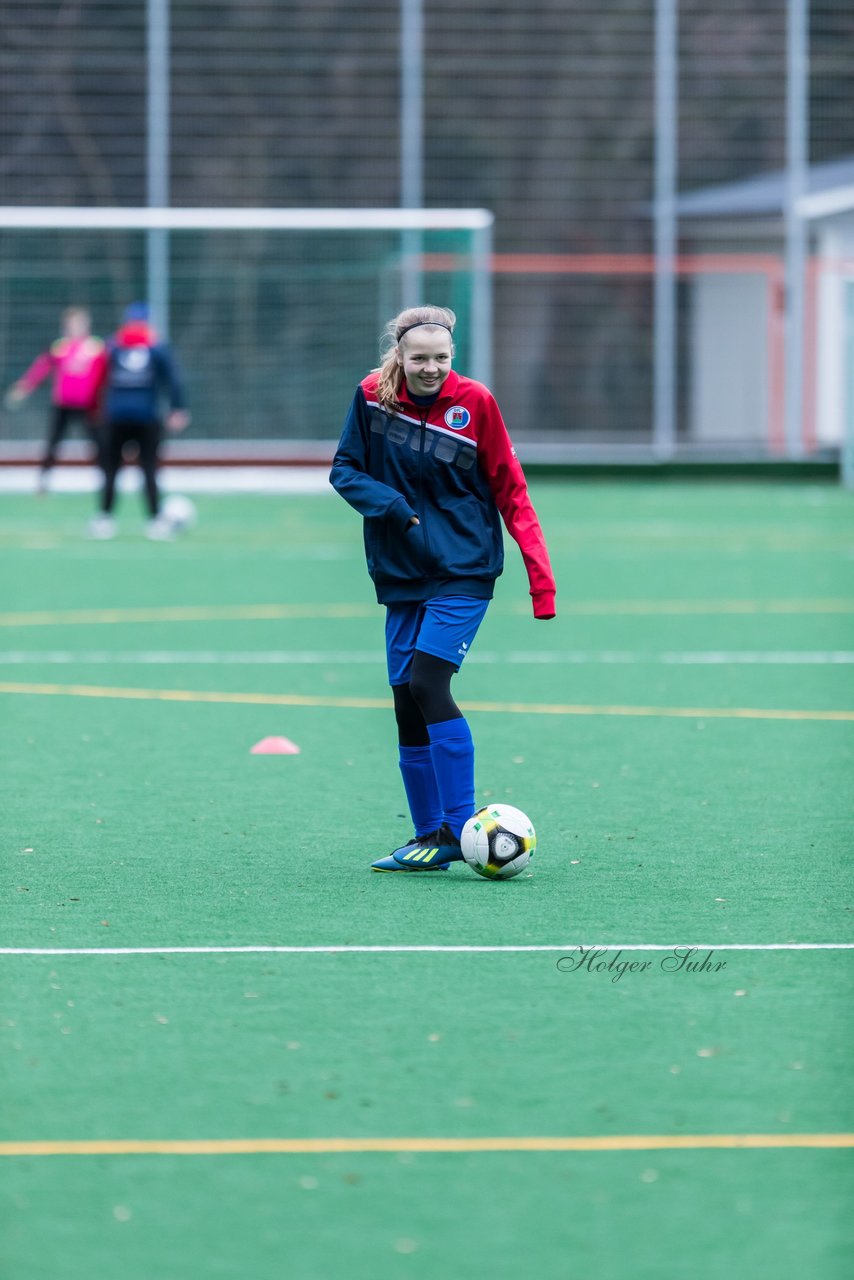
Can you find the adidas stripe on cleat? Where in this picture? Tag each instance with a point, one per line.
(423, 855)
(437, 849)
(431, 852)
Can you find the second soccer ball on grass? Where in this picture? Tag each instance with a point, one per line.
(180, 512)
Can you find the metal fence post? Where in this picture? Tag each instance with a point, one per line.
(847, 447)
(411, 144)
(797, 162)
(664, 336)
(481, 305)
(157, 160)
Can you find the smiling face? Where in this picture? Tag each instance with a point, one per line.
(425, 354)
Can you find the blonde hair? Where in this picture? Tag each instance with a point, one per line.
(391, 369)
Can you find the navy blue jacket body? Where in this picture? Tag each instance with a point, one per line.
(139, 374)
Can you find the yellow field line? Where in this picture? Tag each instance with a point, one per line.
(691, 713)
(226, 613)
(185, 613)
(328, 1146)
(192, 695)
(317, 700)
(706, 606)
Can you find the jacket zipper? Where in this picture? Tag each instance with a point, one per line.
(422, 515)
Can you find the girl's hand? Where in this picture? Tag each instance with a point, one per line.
(177, 420)
(15, 395)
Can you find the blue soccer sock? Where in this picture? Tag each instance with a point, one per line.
(422, 791)
(452, 750)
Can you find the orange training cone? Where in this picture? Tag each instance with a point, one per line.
(275, 747)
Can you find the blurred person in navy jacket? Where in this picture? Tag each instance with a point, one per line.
(140, 372)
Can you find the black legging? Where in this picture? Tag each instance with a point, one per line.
(147, 437)
(426, 699)
(60, 418)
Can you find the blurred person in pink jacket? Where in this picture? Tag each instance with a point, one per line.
(77, 363)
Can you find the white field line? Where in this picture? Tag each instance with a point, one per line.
(319, 657)
(315, 1146)
(215, 480)
(509, 949)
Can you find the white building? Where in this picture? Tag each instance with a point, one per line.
(737, 307)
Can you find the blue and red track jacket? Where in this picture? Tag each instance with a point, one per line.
(452, 465)
(139, 369)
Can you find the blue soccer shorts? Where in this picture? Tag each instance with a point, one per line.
(444, 627)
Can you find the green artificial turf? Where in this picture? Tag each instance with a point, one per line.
(148, 823)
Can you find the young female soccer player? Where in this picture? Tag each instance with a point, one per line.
(425, 458)
(76, 361)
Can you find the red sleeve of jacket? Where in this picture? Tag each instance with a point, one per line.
(38, 370)
(506, 479)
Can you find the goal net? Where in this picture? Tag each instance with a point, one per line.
(274, 314)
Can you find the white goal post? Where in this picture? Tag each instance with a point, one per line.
(414, 226)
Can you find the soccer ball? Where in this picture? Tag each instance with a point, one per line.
(180, 512)
(498, 842)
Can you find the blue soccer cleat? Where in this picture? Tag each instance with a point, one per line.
(388, 863)
(432, 852)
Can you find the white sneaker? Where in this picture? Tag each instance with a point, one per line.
(101, 527)
(159, 529)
